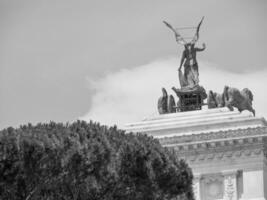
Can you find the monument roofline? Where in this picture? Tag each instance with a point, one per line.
(196, 122)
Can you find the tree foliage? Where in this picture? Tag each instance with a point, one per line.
(87, 161)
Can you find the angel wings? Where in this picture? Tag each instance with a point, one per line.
(180, 39)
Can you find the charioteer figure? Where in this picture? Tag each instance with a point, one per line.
(189, 61)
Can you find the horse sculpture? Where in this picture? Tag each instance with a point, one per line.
(232, 97)
(166, 103)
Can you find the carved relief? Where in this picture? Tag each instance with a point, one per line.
(230, 192)
(217, 186)
(212, 187)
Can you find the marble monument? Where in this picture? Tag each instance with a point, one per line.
(224, 144)
(227, 150)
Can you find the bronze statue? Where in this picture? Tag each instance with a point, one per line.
(191, 95)
(163, 102)
(215, 100)
(189, 61)
(171, 107)
(166, 103)
(232, 97)
(242, 100)
(190, 76)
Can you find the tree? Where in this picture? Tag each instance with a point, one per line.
(87, 161)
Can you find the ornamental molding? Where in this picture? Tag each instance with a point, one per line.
(216, 154)
(222, 145)
(220, 156)
(214, 136)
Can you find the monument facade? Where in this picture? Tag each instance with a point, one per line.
(225, 149)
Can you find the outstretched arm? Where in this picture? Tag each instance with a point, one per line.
(201, 49)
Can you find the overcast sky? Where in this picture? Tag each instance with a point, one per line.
(57, 57)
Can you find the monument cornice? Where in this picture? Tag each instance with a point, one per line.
(255, 152)
(230, 136)
(221, 145)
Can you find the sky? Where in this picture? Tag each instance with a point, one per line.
(65, 60)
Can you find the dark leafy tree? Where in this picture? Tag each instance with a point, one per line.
(87, 161)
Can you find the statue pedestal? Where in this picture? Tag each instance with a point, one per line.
(190, 99)
(225, 149)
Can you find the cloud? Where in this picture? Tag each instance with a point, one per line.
(131, 94)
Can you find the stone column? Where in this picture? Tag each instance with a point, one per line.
(196, 186)
(230, 185)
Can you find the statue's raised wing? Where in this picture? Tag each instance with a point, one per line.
(195, 38)
(178, 37)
